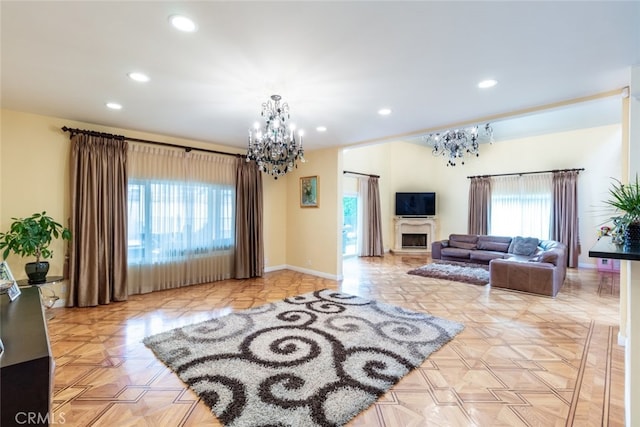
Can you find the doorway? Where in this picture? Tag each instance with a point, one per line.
(350, 225)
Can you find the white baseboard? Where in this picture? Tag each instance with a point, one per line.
(622, 340)
(315, 273)
(302, 270)
(274, 268)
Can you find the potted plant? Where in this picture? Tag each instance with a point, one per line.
(31, 236)
(626, 199)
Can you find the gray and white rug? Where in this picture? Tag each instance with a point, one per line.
(316, 359)
(475, 274)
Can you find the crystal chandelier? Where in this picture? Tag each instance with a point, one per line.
(455, 144)
(274, 147)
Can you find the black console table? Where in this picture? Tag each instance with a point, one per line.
(26, 366)
(604, 248)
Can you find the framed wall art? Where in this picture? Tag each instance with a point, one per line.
(309, 192)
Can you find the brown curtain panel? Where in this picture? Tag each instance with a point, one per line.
(249, 256)
(479, 205)
(371, 231)
(565, 214)
(98, 250)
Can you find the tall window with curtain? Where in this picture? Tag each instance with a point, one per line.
(181, 217)
(479, 205)
(565, 213)
(521, 205)
(371, 220)
(98, 255)
(249, 256)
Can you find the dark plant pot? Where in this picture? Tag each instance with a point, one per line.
(37, 271)
(632, 236)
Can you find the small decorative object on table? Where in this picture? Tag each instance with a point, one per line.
(626, 198)
(8, 284)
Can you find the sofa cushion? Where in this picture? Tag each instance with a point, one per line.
(486, 255)
(463, 241)
(550, 256)
(456, 252)
(461, 245)
(494, 243)
(523, 245)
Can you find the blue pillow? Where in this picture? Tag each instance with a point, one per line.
(523, 245)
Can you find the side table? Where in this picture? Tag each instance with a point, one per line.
(49, 298)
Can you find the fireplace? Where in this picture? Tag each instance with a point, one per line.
(414, 241)
(414, 235)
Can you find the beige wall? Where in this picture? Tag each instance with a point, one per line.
(373, 160)
(34, 177)
(313, 234)
(275, 201)
(407, 166)
(34, 165)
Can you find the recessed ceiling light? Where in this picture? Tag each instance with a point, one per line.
(485, 84)
(182, 23)
(321, 128)
(384, 111)
(139, 77)
(114, 106)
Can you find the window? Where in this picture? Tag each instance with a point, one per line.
(521, 206)
(169, 220)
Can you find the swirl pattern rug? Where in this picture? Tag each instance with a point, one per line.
(316, 359)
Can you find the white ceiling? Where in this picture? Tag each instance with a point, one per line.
(335, 63)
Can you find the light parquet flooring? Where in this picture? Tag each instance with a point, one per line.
(522, 360)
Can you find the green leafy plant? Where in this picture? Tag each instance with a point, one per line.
(31, 236)
(626, 198)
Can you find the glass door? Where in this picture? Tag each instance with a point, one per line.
(350, 225)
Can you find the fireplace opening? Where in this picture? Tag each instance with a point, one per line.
(414, 241)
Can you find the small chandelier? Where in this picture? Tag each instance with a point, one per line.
(455, 144)
(274, 147)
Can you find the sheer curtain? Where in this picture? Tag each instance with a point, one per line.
(98, 249)
(370, 243)
(565, 213)
(181, 213)
(521, 205)
(479, 205)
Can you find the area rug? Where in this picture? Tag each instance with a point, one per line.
(475, 274)
(316, 359)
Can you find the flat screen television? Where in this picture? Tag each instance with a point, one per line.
(415, 204)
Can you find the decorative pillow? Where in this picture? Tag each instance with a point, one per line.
(523, 245)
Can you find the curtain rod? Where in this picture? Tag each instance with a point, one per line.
(74, 131)
(363, 174)
(526, 173)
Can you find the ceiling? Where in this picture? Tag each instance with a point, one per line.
(335, 63)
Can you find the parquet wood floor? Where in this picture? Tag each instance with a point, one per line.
(522, 360)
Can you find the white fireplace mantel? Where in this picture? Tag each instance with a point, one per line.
(412, 225)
